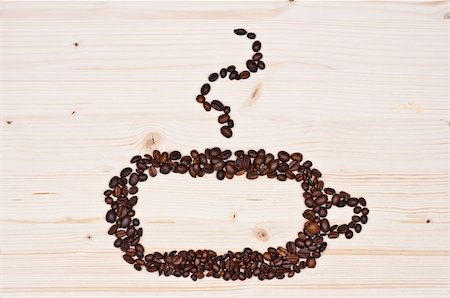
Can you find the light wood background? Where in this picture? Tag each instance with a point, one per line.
(360, 88)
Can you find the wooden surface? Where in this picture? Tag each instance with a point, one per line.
(360, 88)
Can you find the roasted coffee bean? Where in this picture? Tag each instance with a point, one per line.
(226, 131)
(113, 182)
(126, 222)
(355, 218)
(217, 105)
(257, 56)
(320, 200)
(324, 225)
(111, 216)
(231, 68)
(230, 123)
(251, 66)
(352, 202)
(233, 75)
(342, 229)
(357, 210)
(223, 72)
(220, 174)
(224, 118)
(240, 31)
(112, 230)
(200, 98)
(312, 227)
(365, 211)
(358, 228)
(256, 46)
(205, 89)
(213, 77)
(175, 155)
(165, 169)
(364, 219)
(261, 65)
(348, 234)
(125, 172)
(207, 106)
(244, 75)
(251, 35)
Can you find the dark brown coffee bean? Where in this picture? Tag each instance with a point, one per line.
(113, 182)
(200, 98)
(112, 230)
(231, 68)
(130, 231)
(128, 259)
(261, 65)
(257, 56)
(213, 77)
(256, 46)
(358, 228)
(207, 106)
(111, 216)
(223, 72)
(134, 179)
(365, 211)
(108, 200)
(220, 175)
(135, 158)
(349, 234)
(233, 75)
(152, 171)
(126, 222)
(364, 219)
(324, 225)
(251, 35)
(205, 89)
(320, 200)
(175, 155)
(251, 65)
(125, 172)
(244, 75)
(344, 195)
(165, 169)
(333, 235)
(223, 118)
(281, 177)
(352, 202)
(355, 218)
(252, 175)
(240, 31)
(226, 131)
(283, 156)
(307, 164)
(290, 246)
(342, 229)
(217, 105)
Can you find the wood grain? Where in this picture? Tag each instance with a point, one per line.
(360, 88)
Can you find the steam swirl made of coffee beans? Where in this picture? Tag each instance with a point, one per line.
(296, 255)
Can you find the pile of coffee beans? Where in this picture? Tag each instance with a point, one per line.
(300, 253)
(252, 64)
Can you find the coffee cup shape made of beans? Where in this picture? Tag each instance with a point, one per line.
(296, 255)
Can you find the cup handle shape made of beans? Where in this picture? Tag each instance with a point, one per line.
(297, 254)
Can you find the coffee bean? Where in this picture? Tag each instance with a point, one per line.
(217, 105)
(365, 211)
(231, 68)
(257, 56)
(355, 218)
(362, 202)
(226, 109)
(352, 202)
(256, 46)
(311, 262)
(111, 216)
(261, 65)
(207, 106)
(244, 75)
(135, 158)
(213, 77)
(312, 227)
(364, 219)
(134, 179)
(320, 200)
(220, 175)
(251, 65)
(230, 123)
(205, 89)
(251, 35)
(226, 131)
(333, 235)
(324, 225)
(233, 75)
(125, 172)
(175, 155)
(240, 31)
(342, 229)
(307, 164)
(200, 98)
(358, 228)
(113, 182)
(223, 72)
(165, 169)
